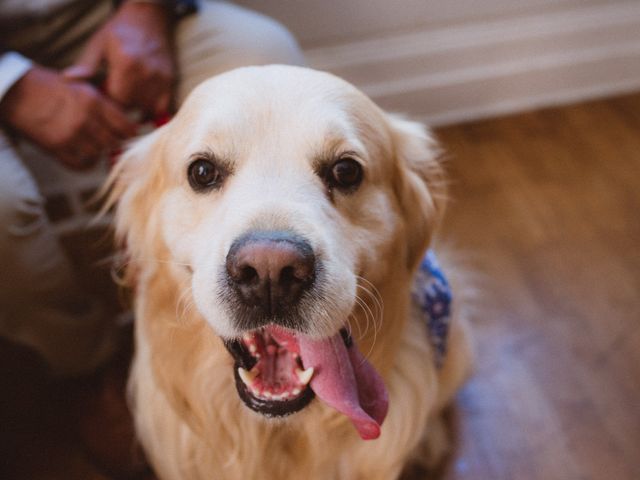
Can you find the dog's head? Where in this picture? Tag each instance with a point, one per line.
(279, 192)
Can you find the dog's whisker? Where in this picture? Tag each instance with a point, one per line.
(372, 290)
(379, 308)
(184, 313)
(349, 327)
(118, 275)
(367, 313)
(122, 264)
(350, 320)
(184, 303)
(158, 260)
(375, 333)
(374, 314)
(370, 315)
(186, 310)
(374, 294)
(377, 316)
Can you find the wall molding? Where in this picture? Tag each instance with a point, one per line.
(454, 73)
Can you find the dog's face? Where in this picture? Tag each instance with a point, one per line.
(278, 191)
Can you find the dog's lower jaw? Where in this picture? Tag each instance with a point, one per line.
(191, 422)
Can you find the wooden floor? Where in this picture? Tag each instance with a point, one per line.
(546, 206)
(546, 212)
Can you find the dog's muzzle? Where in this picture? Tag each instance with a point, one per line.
(268, 272)
(272, 277)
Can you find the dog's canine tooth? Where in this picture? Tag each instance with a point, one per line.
(256, 391)
(247, 376)
(304, 376)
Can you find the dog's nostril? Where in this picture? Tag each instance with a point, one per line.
(248, 275)
(288, 276)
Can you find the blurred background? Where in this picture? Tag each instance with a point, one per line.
(537, 106)
(447, 61)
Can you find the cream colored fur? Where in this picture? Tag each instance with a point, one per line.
(271, 123)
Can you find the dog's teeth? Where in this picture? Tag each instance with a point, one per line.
(253, 348)
(247, 376)
(246, 337)
(295, 392)
(304, 376)
(267, 394)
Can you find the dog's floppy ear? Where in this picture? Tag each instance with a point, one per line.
(130, 188)
(420, 184)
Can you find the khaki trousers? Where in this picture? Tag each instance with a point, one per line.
(42, 302)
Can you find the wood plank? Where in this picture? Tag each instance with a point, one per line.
(548, 203)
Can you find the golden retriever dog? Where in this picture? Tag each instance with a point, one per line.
(274, 228)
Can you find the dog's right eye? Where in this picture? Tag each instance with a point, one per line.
(204, 175)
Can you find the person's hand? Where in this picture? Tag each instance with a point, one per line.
(71, 119)
(135, 49)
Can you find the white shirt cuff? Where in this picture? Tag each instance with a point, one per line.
(12, 67)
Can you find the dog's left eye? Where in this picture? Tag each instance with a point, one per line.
(346, 174)
(204, 175)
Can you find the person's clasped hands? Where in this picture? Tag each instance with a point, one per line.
(77, 120)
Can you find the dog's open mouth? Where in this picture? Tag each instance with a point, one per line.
(268, 371)
(279, 371)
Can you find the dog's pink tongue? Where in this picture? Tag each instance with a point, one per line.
(346, 381)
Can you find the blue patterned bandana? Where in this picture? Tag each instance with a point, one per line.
(432, 295)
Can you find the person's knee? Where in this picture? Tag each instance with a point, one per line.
(252, 36)
(272, 42)
(224, 36)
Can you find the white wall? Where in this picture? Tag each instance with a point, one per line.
(453, 60)
(322, 22)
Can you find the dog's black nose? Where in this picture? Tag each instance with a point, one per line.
(270, 271)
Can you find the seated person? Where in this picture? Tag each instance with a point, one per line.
(147, 55)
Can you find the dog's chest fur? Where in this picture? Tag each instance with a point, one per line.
(191, 422)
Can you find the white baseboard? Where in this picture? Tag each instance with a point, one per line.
(464, 72)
